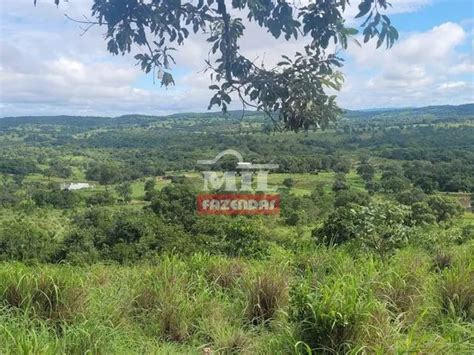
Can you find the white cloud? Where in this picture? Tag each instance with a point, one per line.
(465, 66)
(398, 7)
(46, 67)
(433, 45)
(421, 69)
(453, 85)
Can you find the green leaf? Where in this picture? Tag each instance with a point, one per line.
(167, 79)
(351, 31)
(381, 37)
(364, 8)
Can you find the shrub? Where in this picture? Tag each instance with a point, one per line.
(339, 227)
(55, 197)
(467, 233)
(288, 183)
(78, 247)
(394, 183)
(149, 188)
(444, 208)
(104, 172)
(372, 187)
(22, 240)
(345, 197)
(167, 238)
(382, 227)
(244, 238)
(101, 198)
(299, 209)
(176, 204)
(124, 190)
(340, 183)
(366, 171)
(410, 196)
(96, 217)
(379, 227)
(123, 236)
(421, 214)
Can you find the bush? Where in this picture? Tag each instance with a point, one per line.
(22, 240)
(244, 238)
(340, 183)
(366, 171)
(123, 236)
(105, 173)
(467, 232)
(299, 209)
(55, 197)
(380, 227)
(345, 197)
(176, 204)
(410, 196)
(78, 247)
(444, 208)
(124, 190)
(442, 260)
(149, 188)
(422, 214)
(288, 183)
(338, 228)
(101, 198)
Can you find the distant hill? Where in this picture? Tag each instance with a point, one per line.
(434, 113)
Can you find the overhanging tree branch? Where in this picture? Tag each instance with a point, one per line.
(294, 93)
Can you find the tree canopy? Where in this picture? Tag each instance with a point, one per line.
(296, 93)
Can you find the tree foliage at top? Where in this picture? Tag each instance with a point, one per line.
(294, 93)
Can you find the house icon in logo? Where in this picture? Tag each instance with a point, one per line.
(246, 171)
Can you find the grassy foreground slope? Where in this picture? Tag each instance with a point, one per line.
(329, 298)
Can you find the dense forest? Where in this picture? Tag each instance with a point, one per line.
(372, 251)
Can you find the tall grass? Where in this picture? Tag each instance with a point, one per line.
(267, 294)
(53, 295)
(318, 300)
(456, 287)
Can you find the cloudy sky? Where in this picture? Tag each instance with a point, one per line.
(48, 68)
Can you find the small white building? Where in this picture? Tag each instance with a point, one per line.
(244, 165)
(76, 186)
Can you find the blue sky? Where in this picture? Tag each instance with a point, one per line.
(48, 68)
